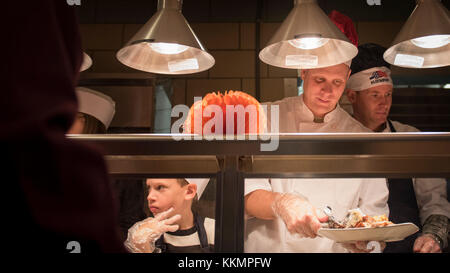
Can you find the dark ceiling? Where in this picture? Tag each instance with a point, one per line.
(139, 11)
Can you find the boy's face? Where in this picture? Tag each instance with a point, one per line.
(164, 194)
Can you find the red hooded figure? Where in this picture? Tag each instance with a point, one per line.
(345, 24)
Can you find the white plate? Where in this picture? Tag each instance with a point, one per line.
(392, 233)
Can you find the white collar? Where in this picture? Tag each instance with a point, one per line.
(308, 116)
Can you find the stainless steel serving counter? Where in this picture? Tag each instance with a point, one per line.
(392, 155)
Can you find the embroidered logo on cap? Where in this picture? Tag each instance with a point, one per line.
(368, 78)
(378, 76)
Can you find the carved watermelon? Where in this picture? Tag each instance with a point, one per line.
(243, 112)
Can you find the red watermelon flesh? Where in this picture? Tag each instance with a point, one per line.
(240, 101)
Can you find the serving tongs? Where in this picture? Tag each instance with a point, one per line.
(332, 222)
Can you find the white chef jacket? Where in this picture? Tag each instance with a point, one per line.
(295, 117)
(370, 195)
(431, 193)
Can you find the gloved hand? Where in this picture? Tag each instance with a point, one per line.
(299, 215)
(143, 235)
(365, 246)
(426, 243)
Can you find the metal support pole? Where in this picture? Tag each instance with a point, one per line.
(230, 212)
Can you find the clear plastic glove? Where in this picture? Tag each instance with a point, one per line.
(143, 235)
(365, 246)
(299, 215)
(426, 243)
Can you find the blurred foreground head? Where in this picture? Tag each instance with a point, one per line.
(233, 112)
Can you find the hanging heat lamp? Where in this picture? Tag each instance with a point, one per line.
(307, 39)
(87, 62)
(166, 44)
(424, 40)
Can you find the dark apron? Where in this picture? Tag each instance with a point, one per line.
(402, 208)
(199, 223)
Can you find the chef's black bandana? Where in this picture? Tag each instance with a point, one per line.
(369, 55)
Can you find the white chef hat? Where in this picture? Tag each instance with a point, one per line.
(348, 63)
(96, 104)
(368, 78)
(201, 184)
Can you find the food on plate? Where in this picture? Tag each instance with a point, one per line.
(250, 116)
(357, 219)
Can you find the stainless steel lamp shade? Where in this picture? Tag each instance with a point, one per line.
(424, 40)
(87, 62)
(166, 44)
(307, 39)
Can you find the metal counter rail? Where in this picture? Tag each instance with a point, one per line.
(297, 155)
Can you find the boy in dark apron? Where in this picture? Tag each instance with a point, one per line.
(175, 228)
(178, 236)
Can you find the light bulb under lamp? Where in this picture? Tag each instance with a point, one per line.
(431, 41)
(168, 48)
(308, 42)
